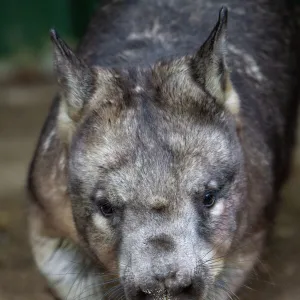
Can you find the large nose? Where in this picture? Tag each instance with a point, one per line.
(167, 275)
(173, 283)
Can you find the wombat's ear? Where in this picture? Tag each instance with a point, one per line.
(76, 79)
(77, 82)
(210, 68)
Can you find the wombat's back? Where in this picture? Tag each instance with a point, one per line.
(262, 54)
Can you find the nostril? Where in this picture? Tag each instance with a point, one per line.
(140, 295)
(187, 289)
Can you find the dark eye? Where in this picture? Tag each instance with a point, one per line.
(105, 208)
(209, 198)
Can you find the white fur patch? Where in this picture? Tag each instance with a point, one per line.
(48, 140)
(218, 209)
(250, 64)
(100, 222)
(232, 101)
(153, 33)
(65, 269)
(138, 89)
(62, 161)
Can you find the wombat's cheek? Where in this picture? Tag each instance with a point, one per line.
(223, 227)
(107, 255)
(221, 237)
(102, 240)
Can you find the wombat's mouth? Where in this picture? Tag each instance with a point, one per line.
(164, 295)
(168, 297)
(154, 295)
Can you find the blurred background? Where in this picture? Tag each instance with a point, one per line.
(26, 91)
(24, 40)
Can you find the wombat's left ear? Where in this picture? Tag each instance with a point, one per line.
(210, 68)
(75, 78)
(77, 83)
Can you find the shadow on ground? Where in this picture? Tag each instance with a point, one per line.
(22, 112)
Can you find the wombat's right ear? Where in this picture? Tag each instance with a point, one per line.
(210, 67)
(75, 78)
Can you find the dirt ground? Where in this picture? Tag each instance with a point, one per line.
(22, 111)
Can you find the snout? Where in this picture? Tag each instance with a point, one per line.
(166, 283)
(165, 264)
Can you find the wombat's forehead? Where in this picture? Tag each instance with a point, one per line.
(142, 160)
(136, 143)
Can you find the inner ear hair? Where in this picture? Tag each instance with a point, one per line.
(210, 67)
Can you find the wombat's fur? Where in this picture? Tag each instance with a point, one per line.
(157, 172)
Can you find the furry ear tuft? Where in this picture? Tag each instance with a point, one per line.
(77, 83)
(75, 78)
(210, 68)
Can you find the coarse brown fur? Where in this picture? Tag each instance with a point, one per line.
(162, 176)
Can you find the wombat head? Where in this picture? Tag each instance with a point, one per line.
(155, 168)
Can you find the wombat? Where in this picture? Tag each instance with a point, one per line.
(158, 170)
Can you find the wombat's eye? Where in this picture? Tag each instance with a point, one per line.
(209, 198)
(105, 208)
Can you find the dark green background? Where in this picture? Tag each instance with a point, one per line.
(24, 25)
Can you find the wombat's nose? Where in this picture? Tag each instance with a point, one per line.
(169, 283)
(174, 283)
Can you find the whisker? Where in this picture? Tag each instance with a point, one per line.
(76, 278)
(118, 289)
(97, 285)
(112, 290)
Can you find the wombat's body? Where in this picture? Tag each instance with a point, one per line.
(143, 136)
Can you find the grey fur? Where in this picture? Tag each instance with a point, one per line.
(163, 123)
